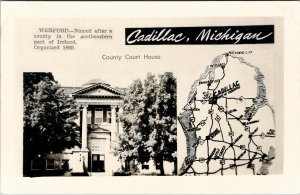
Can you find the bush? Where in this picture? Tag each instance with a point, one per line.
(122, 173)
(79, 174)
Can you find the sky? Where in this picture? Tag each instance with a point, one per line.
(78, 79)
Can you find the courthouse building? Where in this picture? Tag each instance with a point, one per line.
(100, 105)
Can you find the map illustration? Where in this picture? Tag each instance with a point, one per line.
(227, 120)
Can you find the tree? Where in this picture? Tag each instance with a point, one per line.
(135, 122)
(49, 117)
(149, 121)
(163, 138)
(33, 78)
(130, 140)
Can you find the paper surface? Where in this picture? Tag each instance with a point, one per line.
(236, 92)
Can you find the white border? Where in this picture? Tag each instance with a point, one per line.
(13, 182)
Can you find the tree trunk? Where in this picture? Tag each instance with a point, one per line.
(175, 167)
(162, 171)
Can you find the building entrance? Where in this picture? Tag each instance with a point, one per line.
(98, 163)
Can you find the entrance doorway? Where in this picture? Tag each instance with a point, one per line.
(98, 163)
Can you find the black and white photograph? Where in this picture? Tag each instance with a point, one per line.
(96, 129)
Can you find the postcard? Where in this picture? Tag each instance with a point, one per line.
(100, 101)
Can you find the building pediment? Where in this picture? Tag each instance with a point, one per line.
(97, 129)
(98, 90)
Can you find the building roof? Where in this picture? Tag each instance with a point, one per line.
(95, 81)
(70, 90)
(94, 84)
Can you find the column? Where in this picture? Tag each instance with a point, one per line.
(84, 128)
(113, 122)
(120, 123)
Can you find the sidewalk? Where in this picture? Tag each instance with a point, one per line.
(97, 174)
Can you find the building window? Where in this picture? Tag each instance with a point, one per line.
(108, 119)
(89, 117)
(95, 157)
(65, 164)
(36, 164)
(98, 115)
(102, 145)
(49, 164)
(145, 166)
(98, 145)
(95, 148)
